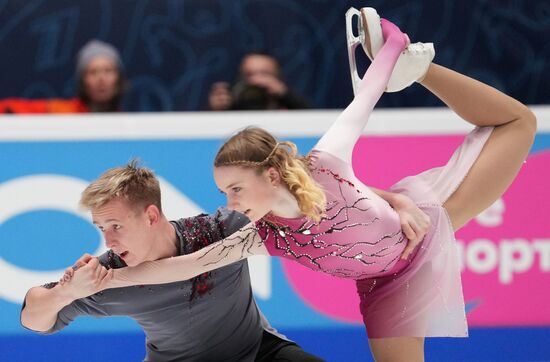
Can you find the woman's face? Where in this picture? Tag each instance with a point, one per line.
(100, 80)
(247, 191)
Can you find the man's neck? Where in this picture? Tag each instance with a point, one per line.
(167, 241)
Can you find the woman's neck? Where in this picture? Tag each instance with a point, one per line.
(286, 205)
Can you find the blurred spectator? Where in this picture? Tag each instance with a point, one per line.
(101, 85)
(260, 86)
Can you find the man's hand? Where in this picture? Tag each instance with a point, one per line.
(69, 272)
(270, 83)
(85, 278)
(414, 222)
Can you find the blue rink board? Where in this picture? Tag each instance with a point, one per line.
(341, 344)
(118, 339)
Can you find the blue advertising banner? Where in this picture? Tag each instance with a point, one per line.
(47, 162)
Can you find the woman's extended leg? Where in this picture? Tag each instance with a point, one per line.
(505, 150)
(341, 137)
(490, 175)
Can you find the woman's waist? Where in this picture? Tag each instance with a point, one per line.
(349, 259)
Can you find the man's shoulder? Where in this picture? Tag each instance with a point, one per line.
(201, 230)
(218, 219)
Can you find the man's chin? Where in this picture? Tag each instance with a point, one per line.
(129, 258)
(133, 262)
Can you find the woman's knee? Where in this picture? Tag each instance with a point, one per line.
(526, 123)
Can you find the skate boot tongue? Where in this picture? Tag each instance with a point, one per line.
(411, 66)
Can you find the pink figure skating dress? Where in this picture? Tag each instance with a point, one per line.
(360, 235)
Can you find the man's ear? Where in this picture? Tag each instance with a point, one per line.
(153, 214)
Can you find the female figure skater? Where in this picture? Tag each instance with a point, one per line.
(315, 211)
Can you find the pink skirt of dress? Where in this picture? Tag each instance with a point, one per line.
(422, 297)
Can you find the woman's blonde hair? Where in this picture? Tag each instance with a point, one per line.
(255, 148)
(137, 185)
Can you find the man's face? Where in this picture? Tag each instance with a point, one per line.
(100, 79)
(127, 230)
(259, 66)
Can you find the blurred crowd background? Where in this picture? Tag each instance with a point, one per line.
(174, 51)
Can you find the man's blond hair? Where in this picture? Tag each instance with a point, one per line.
(137, 185)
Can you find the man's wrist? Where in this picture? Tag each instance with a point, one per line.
(63, 294)
(389, 197)
(396, 201)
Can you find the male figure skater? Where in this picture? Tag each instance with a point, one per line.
(212, 317)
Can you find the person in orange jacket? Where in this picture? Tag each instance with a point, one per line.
(101, 85)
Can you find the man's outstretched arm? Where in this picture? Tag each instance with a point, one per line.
(43, 303)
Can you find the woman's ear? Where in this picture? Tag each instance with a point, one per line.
(274, 176)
